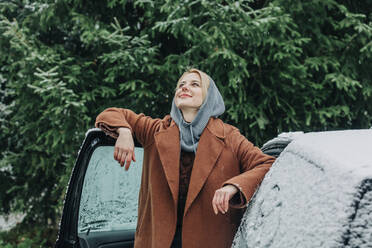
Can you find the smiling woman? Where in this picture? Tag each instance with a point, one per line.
(198, 172)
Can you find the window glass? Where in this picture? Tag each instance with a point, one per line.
(109, 197)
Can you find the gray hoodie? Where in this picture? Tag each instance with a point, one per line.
(190, 133)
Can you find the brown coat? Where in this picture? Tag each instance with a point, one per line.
(224, 156)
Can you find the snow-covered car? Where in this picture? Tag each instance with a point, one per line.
(317, 194)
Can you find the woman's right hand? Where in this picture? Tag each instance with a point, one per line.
(124, 148)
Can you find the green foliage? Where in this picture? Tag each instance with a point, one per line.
(280, 65)
(285, 66)
(27, 237)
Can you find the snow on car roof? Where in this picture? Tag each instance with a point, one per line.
(347, 151)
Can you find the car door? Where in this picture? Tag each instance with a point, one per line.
(100, 209)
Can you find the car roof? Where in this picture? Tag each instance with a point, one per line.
(347, 151)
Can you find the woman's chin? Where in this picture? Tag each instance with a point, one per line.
(184, 105)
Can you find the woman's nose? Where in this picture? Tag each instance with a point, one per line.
(184, 87)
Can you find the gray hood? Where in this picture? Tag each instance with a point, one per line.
(190, 133)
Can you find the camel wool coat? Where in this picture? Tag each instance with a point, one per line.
(223, 156)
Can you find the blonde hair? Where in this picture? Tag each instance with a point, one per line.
(204, 78)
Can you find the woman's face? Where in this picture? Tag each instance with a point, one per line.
(189, 92)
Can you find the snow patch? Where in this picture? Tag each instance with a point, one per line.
(7, 222)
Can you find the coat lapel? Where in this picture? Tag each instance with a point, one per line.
(209, 149)
(168, 145)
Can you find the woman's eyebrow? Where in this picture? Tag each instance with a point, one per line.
(191, 81)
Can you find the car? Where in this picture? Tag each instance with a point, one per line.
(318, 193)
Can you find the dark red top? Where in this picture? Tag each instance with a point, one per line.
(186, 163)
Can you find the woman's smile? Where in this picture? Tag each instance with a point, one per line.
(185, 95)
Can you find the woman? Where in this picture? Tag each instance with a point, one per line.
(198, 172)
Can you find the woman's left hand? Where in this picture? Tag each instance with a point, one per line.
(222, 197)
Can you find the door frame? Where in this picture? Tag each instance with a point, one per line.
(67, 233)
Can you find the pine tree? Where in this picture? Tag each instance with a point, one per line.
(280, 66)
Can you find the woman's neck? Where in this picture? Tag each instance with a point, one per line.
(189, 114)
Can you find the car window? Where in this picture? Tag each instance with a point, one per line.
(109, 197)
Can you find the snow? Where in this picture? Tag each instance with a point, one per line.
(287, 136)
(9, 221)
(109, 198)
(317, 194)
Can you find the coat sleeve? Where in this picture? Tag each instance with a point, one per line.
(254, 164)
(142, 127)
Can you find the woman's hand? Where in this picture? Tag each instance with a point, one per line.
(222, 197)
(124, 148)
